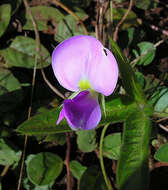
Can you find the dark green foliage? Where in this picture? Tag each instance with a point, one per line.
(5, 14)
(21, 53)
(86, 140)
(132, 171)
(44, 168)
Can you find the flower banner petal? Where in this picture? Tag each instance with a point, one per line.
(84, 58)
(69, 60)
(103, 69)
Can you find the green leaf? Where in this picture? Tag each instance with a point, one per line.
(129, 80)
(162, 153)
(44, 168)
(148, 50)
(5, 14)
(21, 53)
(8, 82)
(69, 27)
(86, 140)
(10, 91)
(77, 169)
(130, 33)
(8, 156)
(111, 146)
(45, 124)
(132, 168)
(117, 109)
(92, 179)
(28, 185)
(43, 15)
(162, 102)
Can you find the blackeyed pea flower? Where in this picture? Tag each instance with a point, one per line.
(82, 63)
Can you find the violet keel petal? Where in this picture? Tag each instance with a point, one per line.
(61, 116)
(82, 112)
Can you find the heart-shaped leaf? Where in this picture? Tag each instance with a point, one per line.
(43, 16)
(44, 168)
(86, 140)
(22, 51)
(77, 169)
(162, 153)
(112, 145)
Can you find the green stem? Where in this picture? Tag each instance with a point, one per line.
(109, 186)
(103, 104)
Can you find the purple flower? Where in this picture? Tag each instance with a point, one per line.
(81, 63)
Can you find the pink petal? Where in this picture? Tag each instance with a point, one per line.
(102, 70)
(84, 57)
(69, 61)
